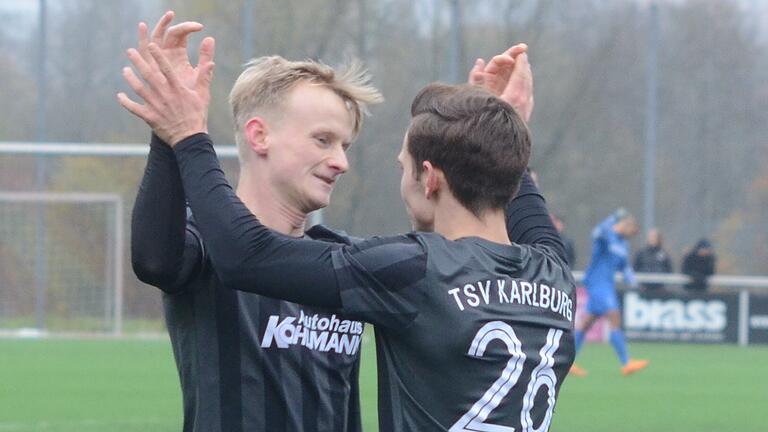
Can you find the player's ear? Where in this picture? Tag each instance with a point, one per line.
(256, 131)
(433, 179)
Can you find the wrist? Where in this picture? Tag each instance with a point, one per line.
(192, 141)
(177, 138)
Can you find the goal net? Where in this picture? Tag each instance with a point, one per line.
(60, 263)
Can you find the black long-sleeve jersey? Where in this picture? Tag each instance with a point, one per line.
(245, 362)
(471, 335)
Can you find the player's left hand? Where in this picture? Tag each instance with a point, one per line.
(495, 75)
(174, 109)
(519, 89)
(508, 76)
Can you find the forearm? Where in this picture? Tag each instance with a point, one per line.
(247, 255)
(528, 220)
(163, 253)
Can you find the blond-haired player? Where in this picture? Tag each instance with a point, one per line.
(248, 362)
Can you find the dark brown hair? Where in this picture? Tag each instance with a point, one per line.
(479, 142)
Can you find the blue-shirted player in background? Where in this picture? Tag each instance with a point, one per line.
(610, 253)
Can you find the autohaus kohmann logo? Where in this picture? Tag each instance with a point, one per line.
(316, 332)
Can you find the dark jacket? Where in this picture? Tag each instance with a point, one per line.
(653, 259)
(699, 267)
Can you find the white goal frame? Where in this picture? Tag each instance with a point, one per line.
(116, 201)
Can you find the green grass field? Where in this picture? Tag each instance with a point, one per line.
(131, 386)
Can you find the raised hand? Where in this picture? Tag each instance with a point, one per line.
(493, 76)
(173, 42)
(519, 89)
(173, 108)
(508, 76)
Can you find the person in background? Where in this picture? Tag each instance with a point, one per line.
(570, 248)
(699, 264)
(610, 253)
(653, 259)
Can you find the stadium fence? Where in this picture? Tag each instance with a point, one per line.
(63, 258)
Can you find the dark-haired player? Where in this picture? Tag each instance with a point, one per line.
(292, 122)
(474, 330)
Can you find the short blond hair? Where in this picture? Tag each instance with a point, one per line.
(263, 84)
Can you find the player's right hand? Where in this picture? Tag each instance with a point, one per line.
(176, 94)
(173, 42)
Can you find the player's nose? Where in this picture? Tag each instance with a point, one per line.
(338, 160)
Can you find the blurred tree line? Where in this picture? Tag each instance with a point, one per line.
(589, 60)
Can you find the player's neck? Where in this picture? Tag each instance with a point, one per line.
(271, 210)
(454, 221)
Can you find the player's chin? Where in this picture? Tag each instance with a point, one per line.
(320, 198)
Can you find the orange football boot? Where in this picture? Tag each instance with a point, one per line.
(633, 366)
(577, 371)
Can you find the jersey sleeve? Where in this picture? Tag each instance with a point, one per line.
(381, 280)
(166, 251)
(528, 220)
(367, 278)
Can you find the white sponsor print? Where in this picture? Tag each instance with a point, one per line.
(317, 332)
(758, 322)
(674, 314)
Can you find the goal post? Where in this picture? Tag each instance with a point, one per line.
(85, 289)
(31, 294)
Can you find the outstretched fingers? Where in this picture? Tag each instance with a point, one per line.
(146, 70)
(165, 66)
(516, 50)
(158, 34)
(177, 35)
(207, 51)
(476, 73)
(523, 70)
(136, 85)
(205, 64)
(519, 90)
(204, 77)
(137, 109)
(502, 65)
(143, 41)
